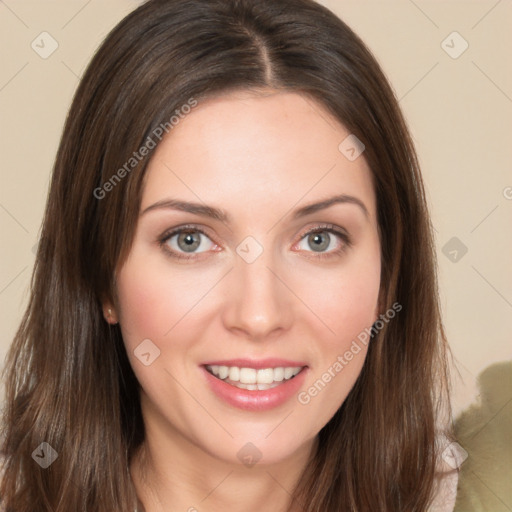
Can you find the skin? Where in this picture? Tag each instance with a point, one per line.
(259, 157)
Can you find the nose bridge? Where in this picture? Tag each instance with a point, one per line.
(258, 302)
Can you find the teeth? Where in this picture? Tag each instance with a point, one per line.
(265, 376)
(234, 373)
(247, 375)
(223, 372)
(288, 372)
(252, 379)
(278, 374)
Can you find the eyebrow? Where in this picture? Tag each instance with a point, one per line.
(223, 216)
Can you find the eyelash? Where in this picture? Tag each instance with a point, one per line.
(329, 228)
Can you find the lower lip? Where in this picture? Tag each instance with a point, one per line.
(258, 400)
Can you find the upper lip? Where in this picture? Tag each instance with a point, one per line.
(269, 362)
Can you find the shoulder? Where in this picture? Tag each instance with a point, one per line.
(446, 491)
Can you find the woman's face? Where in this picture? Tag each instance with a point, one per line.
(246, 285)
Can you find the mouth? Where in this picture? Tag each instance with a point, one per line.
(254, 379)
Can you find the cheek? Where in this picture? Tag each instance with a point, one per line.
(140, 302)
(345, 299)
(153, 301)
(357, 297)
(153, 305)
(349, 302)
(149, 301)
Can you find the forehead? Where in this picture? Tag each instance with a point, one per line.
(256, 151)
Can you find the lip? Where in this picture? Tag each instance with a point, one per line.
(258, 400)
(258, 364)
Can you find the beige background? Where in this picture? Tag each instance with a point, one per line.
(460, 114)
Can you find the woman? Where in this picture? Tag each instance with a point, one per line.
(234, 302)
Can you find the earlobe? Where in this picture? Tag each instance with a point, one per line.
(109, 314)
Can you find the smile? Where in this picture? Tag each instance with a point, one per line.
(255, 389)
(254, 379)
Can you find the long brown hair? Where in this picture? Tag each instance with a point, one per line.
(68, 379)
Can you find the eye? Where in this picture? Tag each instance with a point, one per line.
(325, 240)
(186, 241)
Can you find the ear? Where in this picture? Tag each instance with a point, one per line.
(109, 312)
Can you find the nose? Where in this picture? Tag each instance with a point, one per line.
(258, 303)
